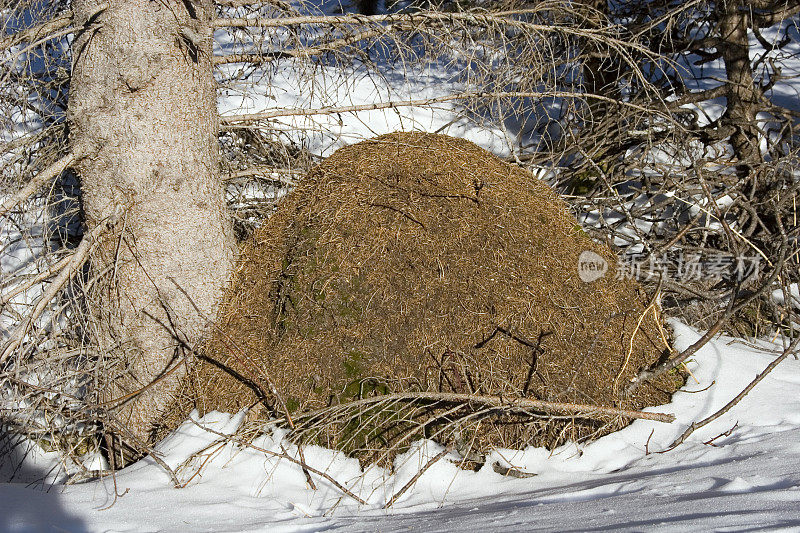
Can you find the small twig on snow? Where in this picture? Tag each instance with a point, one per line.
(696, 425)
(710, 442)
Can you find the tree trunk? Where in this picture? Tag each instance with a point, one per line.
(742, 95)
(600, 73)
(142, 108)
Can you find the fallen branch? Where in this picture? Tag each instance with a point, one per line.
(218, 444)
(508, 403)
(306, 468)
(414, 479)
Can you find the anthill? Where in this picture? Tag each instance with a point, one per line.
(422, 263)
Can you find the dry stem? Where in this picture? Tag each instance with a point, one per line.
(505, 403)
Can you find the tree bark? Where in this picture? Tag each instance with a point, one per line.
(600, 74)
(742, 96)
(142, 109)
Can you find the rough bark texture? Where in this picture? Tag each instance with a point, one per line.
(142, 106)
(742, 96)
(600, 74)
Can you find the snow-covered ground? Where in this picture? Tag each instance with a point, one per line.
(742, 472)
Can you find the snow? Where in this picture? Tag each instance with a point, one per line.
(740, 472)
(336, 87)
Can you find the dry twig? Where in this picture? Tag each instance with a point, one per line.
(77, 259)
(791, 349)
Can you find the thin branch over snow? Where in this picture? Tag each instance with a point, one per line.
(790, 350)
(37, 182)
(45, 31)
(478, 17)
(333, 110)
(77, 259)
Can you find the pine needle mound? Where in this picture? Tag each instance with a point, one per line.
(422, 263)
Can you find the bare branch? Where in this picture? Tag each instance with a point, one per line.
(778, 12)
(506, 403)
(333, 110)
(700, 96)
(35, 280)
(40, 33)
(736, 303)
(477, 17)
(77, 259)
(697, 425)
(37, 182)
(303, 53)
(60, 29)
